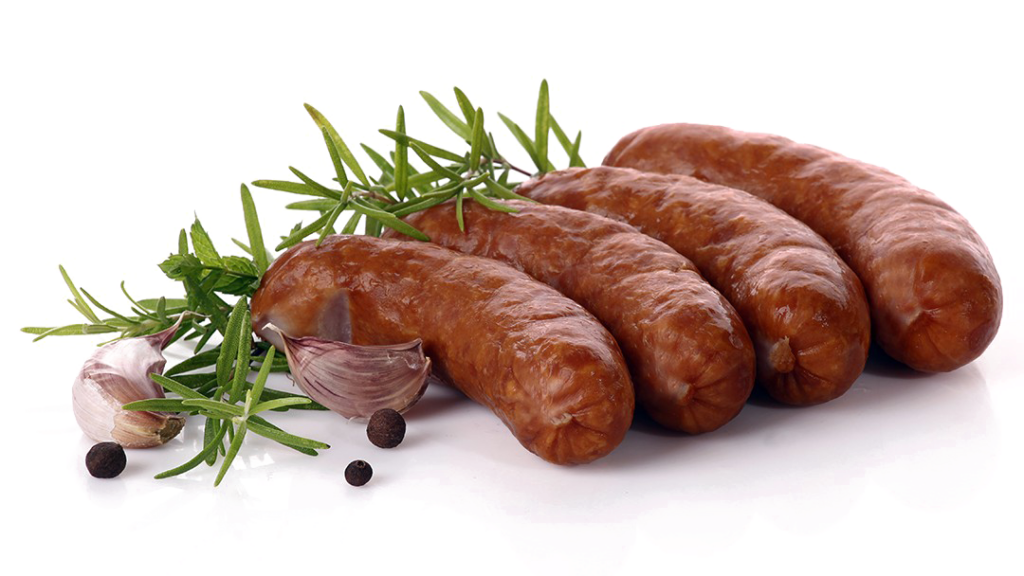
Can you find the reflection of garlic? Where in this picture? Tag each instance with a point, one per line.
(356, 381)
(116, 374)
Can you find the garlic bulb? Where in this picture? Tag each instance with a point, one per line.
(116, 374)
(356, 381)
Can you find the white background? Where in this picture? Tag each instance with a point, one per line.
(898, 443)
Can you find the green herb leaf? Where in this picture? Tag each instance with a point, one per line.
(272, 394)
(215, 407)
(209, 449)
(205, 300)
(302, 233)
(468, 111)
(458, 210)
(278, 435)
(424, 202)
(255, 232)
(213, 438)
(523, 140)
(401, 158)
(236, 444)
(242, 359)
(425, 156)
(177, 387)
(379, 161)
(421, 181)
(313, 184)
(343, 152)
(571, 151)
(201, 360)
(543, 126)
(82, 306)
(353, 221)
(261, 377)
(497, 189)
(157, 405)
(574, 153)
(107, 310)
(177, 266)
(229, 347)
(205, 251)
(315, 205)
(491, 204)
(208, 333)
(161, 310)
(194, 381)
(450, 120)
(292, 187)
(388, 219)
(279, 403)
(70, 330)
(174, 305)
(183, 242)
(372, 227)
(329, 226)
(428, 148)
(340, 175)
(477, 141)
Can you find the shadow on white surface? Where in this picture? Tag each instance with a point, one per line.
(931, 444)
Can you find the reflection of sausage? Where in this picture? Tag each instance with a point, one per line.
(804, 308)
(540, 361)
(691, 358)
(936, 300)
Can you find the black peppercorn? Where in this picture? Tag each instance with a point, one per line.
(105, 460)
(358, 473)
(386, 428)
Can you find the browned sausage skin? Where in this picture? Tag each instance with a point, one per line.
(804, 308)
(541, 362)
(690, 356)
(935, 295)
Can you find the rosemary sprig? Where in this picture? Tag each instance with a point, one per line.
(340, 148)
(260, 257)
(446, 174)
(401, 159)
(224, 416)
(543, 127)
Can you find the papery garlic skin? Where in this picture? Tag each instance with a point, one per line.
(356, 381)
(116, 374)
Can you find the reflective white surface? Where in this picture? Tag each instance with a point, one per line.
(898, 443)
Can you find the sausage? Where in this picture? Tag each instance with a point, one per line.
(803, 307)
(541, 362)
(936, 299)
(690, 356)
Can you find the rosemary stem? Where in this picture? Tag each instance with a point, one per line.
(510, 165)
(376, 196)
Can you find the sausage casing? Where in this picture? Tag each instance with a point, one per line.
(541, 362)
(690, 356)
(803, 307)
(936, 298)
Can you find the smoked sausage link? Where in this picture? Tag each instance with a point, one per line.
(935, 295)
(803, 307)
(690, 356)
(540, 361)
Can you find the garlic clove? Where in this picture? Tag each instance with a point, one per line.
(356, 381)
(116, 374)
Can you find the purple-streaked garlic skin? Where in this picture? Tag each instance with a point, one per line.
(116, 374)
(356, 381)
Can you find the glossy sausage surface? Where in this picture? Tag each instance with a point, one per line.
(936, 298)
(690, 356)
(803, 307)
(541, 362)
